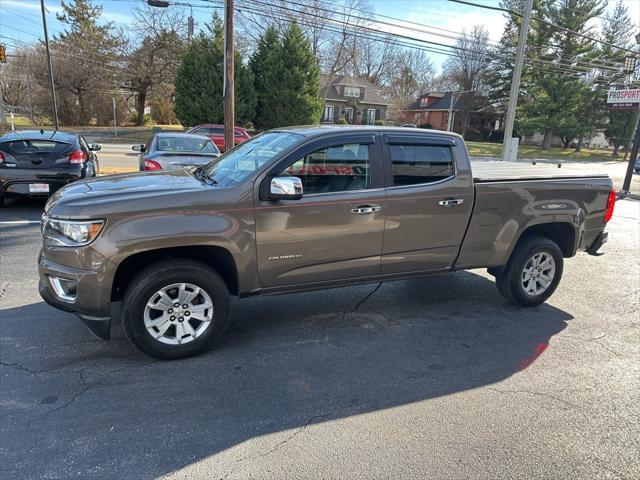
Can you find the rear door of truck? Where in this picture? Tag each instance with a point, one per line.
(429, 193)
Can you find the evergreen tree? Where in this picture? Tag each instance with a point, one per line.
(288, 80)
(618, 30)
(200, 80)
(557, 98)
(86, 38)
(262, 61)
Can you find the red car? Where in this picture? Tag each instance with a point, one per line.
(216, 133)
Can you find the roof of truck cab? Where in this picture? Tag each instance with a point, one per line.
(318, 130)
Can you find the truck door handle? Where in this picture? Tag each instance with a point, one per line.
(366, 209)
(451, 202)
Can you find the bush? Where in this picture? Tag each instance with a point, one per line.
(473, 135)
(342, 121)
(379, 122)
(134, 118)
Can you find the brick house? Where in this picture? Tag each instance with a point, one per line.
(433, 109)
(356, 100)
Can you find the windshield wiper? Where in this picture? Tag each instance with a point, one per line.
(201, 174)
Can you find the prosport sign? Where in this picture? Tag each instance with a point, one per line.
(626, 99)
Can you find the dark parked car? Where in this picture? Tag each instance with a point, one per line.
(37, 163)
(172, 151)
(216, 133)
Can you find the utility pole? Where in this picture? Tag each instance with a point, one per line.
(515, 82)
(626, 185)
(449, 117)
(33, 122)
(115, 119)
(46, 43)
(229, 106)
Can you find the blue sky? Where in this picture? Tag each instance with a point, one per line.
(20, 20)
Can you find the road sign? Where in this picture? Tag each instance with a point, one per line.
(623, 99)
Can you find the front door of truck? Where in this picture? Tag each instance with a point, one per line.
(335, 230)
(429, 202)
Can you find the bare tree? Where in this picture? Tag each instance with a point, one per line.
(411, 74)
(468, 67)
(153, 61)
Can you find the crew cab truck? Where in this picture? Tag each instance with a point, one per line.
(298, 209)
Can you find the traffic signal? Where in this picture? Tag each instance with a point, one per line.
(3, 54)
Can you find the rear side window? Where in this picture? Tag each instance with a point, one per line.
(416, 164)
(185, 144)
(34, 147)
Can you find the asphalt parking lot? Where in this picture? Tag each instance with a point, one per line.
(429, 378)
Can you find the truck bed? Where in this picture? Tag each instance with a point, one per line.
(485, 170)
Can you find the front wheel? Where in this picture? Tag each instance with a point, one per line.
(175, 309)
(532, 273)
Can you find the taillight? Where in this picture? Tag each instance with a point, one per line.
(1, 157)
(78, 157)
(151, 165)
(611, 202)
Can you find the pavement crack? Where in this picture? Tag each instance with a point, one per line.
(18, 366)
(596, 341)
(296, 432)
(3, 288)
(538, 394)
(366, 298)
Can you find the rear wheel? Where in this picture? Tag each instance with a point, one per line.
(532, 273)
(175, 309)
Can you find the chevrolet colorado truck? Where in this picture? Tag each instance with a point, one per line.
(298, 209)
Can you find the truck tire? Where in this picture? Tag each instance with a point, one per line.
(175, 309)
(532, 272)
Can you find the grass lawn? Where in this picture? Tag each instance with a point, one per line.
(485, 149)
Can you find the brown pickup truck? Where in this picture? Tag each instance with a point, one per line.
(298, 209)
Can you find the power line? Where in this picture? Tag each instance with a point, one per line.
(564, 29)
(567, 67)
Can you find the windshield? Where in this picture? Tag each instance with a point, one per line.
(237, 164)
(185, 144)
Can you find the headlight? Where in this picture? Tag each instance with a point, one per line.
(70, 233)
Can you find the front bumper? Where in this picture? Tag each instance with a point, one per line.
(92, 304)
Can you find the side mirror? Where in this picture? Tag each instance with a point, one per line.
(285, 188)
(95, 147)
(138, 148)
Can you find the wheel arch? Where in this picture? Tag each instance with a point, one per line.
(562, 233)
(218, 258)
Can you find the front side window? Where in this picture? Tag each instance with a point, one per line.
(333, 169)
(416, 164)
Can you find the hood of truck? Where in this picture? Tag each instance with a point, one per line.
(125, 193)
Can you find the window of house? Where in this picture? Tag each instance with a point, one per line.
(328, 113)
(351, 91)
(416, 164)
(333, 169)
(371, 116)
(348, 114)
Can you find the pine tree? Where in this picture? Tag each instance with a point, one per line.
(86, 38)
(288, 80)
(618, 30)
(264, 59)
(557, 98)
(200, 80)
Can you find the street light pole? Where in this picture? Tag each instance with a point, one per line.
(46, 43)
(515, 82)
(229, 105)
